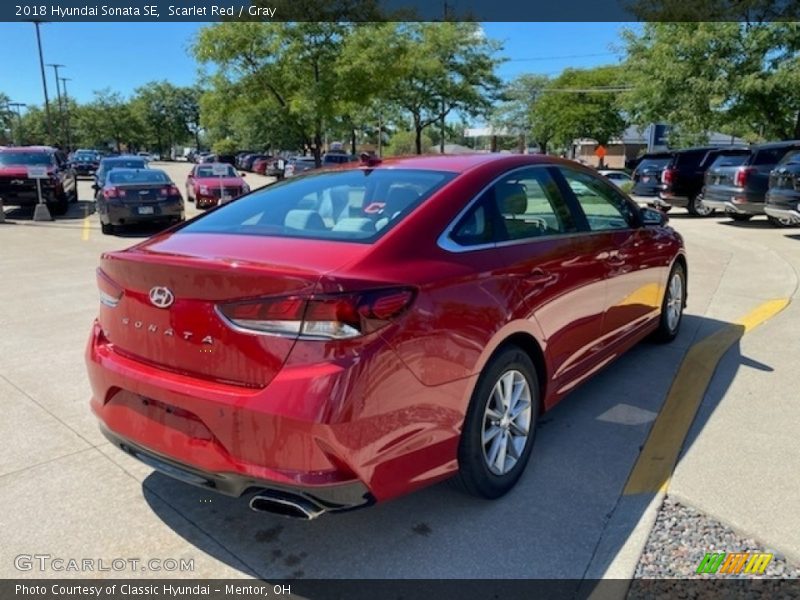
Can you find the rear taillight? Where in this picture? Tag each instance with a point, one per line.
(319, 317)
(170, 190)
(667, 176)
(110, 292)
(111, 192)
(742, 173)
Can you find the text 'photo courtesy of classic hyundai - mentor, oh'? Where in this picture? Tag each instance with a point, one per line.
(353, 334)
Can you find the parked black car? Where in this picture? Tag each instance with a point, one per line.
(131, 196)
(782, 202)
(647, 175)
(740, 190)
(683, 178)
(85, 162)
(116, 162)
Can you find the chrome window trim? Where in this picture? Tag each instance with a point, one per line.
(445, 242)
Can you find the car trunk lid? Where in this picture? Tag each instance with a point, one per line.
(191, 275)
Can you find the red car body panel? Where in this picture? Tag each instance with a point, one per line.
(384, 410)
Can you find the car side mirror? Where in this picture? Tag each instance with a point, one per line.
(651, 216)
(95, 187)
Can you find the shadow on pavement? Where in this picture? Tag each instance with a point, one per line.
(754, 223)
(549, 526)
(77, 210)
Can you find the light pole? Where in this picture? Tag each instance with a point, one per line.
(17, 106)
(56, 67)
(44, 82)
(64, 81)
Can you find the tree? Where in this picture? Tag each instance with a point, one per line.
(108, 121)
(298, 67)
(738, 78)
(407, 142)
(6, 119)
(166, 113)
(445, 68)
(518, 114)
(582, 103)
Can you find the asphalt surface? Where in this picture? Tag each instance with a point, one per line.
(66, 492)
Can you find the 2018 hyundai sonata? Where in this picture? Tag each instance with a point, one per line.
(349, 336)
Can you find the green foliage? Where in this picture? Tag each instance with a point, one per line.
(737, 78)
(225, 146)
(518, 111)
(564, 111)
(405, 142)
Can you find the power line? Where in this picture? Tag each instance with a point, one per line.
(564, 56)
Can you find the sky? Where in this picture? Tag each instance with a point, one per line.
(124, 56)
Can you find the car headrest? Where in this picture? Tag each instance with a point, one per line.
(511, 198)
(361, 225)
(304, 220)
(398, 199)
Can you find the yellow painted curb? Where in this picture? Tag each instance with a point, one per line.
(655, 464)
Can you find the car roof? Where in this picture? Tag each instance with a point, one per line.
(27, 149)
(458, 163)
(783, 144)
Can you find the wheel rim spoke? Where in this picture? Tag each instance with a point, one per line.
(507, 422)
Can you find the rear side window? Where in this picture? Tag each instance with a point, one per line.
(791, 157)
(770, 156)
(358, 205)
(526, 204)
(689, 159)
(729, 160)
(654, 163)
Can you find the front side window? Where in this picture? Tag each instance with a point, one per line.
(525, 204)
(358, 205)
(605, 207)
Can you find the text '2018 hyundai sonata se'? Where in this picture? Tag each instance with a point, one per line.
(351, 335)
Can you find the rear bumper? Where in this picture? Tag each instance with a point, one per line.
(339, 431)
(665, 199)
(741, 207)
(332, 498)
(125, 214)
(783, 213)
(27, 197)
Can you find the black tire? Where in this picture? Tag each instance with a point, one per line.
(667, 328)
(740, 218)
(474, 474)
(107, 228)
(59, 206)
(696, 208)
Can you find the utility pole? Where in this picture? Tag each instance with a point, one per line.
(56, 67)
(17, 106)
(44, 83)
(64, 81)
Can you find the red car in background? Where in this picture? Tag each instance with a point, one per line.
(351, 335)
(209, 184)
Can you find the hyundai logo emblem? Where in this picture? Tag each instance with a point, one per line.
(161, 297)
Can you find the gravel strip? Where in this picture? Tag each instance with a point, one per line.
(680, 539)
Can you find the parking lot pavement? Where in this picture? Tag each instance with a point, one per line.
(556, 523)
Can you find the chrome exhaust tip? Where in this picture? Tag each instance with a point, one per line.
(285, 504)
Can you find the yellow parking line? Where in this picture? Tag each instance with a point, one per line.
(655, 464)
(85, 228)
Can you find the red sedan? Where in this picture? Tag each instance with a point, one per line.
(349, 336)
(209, 184)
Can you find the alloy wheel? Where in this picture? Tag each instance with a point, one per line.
(674, 301)
(506, 422)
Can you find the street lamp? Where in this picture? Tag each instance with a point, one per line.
(56, 67)
(64, 81)
(44, 81)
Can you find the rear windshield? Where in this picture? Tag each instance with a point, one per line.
(770, 156)
(691, 158)
(209, 171)
(133, 163)
(25, 158)
(358, 205)
(83, 156)
(654, 163)
(125, 177)
(729, 160)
